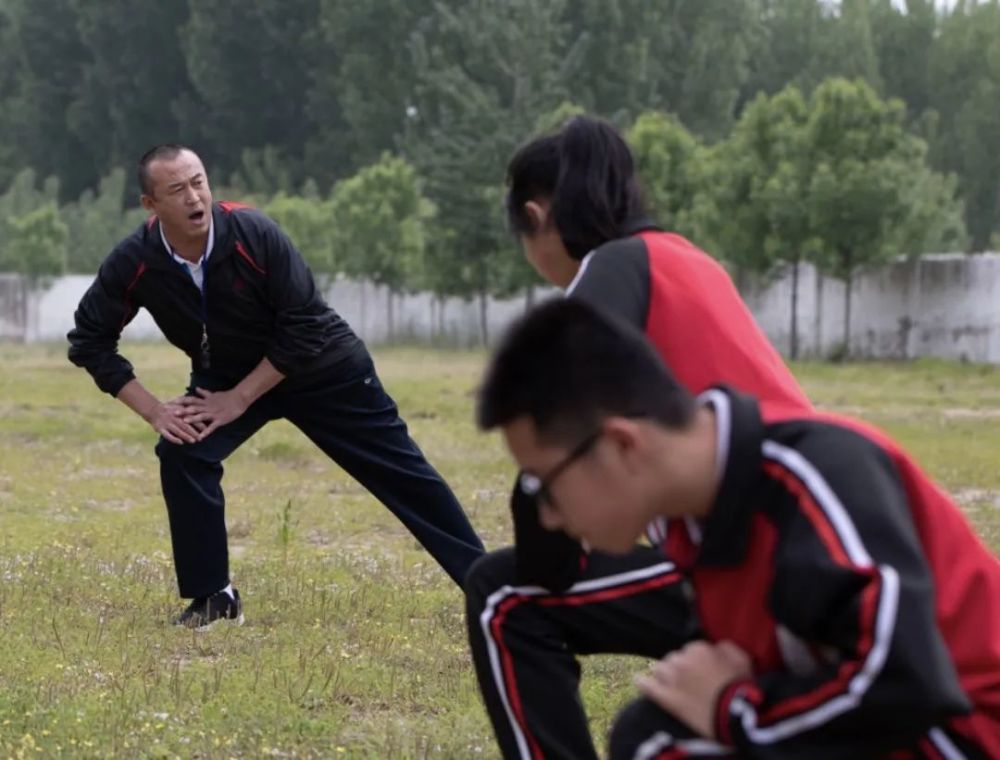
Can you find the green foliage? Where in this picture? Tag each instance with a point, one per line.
(487, 75)
(47, 55)
(556, 119)
(935, 213)
(249, 64)
(757, 214)
(274, 92)
(262, 172)
(378, 223)
(97, 222)
(897, 32)
(669, 164)
(361, 92)
(786, 50)
(35, 244)
(965, 87)
(870, 190)
(17, 204)
(857, 147)
(22, 195)
(308, 222)
(124, 101)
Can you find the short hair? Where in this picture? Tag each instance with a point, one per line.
(587, 172)
(568, 367)
(163, 152)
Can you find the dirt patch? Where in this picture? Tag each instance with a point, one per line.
(111, 473)
(977, 497)
(112, 505)
(965, 413)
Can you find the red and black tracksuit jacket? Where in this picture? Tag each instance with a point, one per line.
(258, 300)
(688, 307)
(861, 592)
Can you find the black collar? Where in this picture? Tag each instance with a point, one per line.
(638, 224)
(726, 530)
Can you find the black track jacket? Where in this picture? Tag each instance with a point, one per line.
(258, 300)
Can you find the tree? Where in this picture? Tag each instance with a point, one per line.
(759, 213)
(49, 56)
(688, 57)
(307, 222)
(668, 161)
(358, 100)
(785, 52)
(250, 66)
(935, 213)
(35, 244)
(863, 164)
(558, 117)
(901, 37)
(124, 103)
(965, 88)
(850, 45)
(97, 221)
(379, 225)
(262, 172)
(486, 73)
(10, 161)
(627, 59)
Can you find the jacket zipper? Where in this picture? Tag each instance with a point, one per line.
(205, 348)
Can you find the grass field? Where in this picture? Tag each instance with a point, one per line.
(354, 644)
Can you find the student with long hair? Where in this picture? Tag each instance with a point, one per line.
(575, 205)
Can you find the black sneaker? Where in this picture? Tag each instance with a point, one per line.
(206, 611)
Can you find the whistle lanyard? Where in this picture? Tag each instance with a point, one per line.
(204, 347)
(206, 352)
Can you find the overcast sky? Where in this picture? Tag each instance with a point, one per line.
(940, 3)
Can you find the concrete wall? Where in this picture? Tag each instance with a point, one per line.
(944, 305)
(46, 314)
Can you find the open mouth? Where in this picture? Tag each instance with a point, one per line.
(196, 216)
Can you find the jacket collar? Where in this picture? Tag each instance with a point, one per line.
(156, 255)
(726, 530)
(637, 224)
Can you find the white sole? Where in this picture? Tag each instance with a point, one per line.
(228, 621)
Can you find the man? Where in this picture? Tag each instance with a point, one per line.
(227, 287)
(824, 598)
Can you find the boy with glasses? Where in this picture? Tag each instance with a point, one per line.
(816, 594)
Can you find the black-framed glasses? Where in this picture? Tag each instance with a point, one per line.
(539, 488)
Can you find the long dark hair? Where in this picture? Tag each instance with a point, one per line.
(587, 173)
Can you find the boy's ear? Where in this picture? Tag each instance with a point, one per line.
(623, 432)
(538, 214)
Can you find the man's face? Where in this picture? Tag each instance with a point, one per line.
(180, 195)
(588, 490)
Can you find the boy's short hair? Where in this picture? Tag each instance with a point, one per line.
(567, 367)
(163, 152)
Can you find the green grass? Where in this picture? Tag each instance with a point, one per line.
(355, 642)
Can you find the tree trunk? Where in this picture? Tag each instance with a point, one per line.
(848, 257)
(364, 331)
(484, 330)
(388, 313)
(818, 321)
(793, 348)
